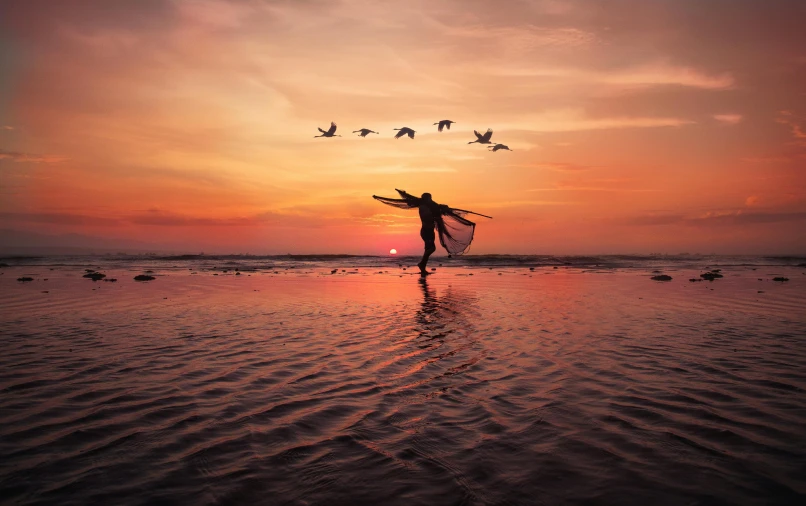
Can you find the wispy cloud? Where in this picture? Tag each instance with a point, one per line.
(402, 169)
(768, 159)
(665, 74)
(590, 188)
(27, 157)
(163, 218)
(523, 38)
(647, 75)
(573, 120)
(524, 203)
(794, 123)
(600, 185)
(728, 119)
(55, 218)
(559, 166)
(729, 217)
(155, 217)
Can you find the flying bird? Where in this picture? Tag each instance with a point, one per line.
(330, 133)
(483, 139)
(445, 123)
(498, 146)
(404, 131)
(364, 132)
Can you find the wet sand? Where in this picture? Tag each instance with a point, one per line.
(477, 386)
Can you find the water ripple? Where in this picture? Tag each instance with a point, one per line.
(555, 388)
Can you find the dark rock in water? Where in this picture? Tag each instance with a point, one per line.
(710, 276)
(6, 265)
(531, 268)
(555, 267)
(656, 272)
(799, 265)
(95, 276)
(149, 272)
(662, 277)
(143, 277)
(24, 279)
(433, 269)
(334, 271)
(694, 280)
(111, 280)
(89, 270)
(716, 270)
(761, 291)
(780, 278)
(237, 273)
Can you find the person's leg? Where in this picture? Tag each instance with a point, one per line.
(430, 247)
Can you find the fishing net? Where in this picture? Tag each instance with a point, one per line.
(455, 231)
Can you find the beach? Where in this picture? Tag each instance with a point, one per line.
(480, 384)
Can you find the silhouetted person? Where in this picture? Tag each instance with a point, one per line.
(431, 218)
(455, 230)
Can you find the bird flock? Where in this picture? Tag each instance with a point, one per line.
(406, 131)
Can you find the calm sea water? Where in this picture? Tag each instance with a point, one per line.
(487, 383)
(123, 261)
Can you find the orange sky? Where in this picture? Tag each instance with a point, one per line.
(637, 126)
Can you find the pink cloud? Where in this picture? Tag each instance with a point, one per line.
(789, 119)
(728, 119)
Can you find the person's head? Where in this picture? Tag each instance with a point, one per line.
(426, 197)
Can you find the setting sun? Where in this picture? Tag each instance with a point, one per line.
(393, 251)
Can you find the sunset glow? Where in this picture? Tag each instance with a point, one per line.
(668, 126)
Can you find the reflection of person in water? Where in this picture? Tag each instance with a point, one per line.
(431, 219)
(428, 316)
(440, 315)
(446, 335)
